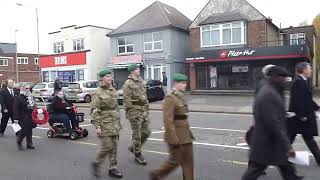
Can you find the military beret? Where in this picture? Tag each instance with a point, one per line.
(180, 78)
(133, 67)
(104, 72)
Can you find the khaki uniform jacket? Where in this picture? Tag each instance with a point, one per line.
(105, 112)
(175, 114)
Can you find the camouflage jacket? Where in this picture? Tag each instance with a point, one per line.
(104, 111)
(134, 94)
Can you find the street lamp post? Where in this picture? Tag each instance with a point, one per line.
(38, 42)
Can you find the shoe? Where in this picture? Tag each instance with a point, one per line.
(95, 170)
(30, 147)
(115, 173)
(130, 149)
(153, 176)
(1, 134)
(20, 148)
(140, 160)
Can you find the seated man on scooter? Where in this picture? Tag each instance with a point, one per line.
(63, 112)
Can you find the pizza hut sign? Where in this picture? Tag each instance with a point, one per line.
(225, 54)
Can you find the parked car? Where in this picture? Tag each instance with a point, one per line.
(18, 85)
(82, 91)
(44, 91)
(154, 88)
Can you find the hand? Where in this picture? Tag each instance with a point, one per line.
(68, 108)
(15, 121)
(98, 131)
(176, 145)
(304, 119)
(291, 153)
(5, 111)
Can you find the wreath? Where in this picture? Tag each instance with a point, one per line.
(36, 119)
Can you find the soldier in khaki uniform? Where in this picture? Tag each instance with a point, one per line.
(106, 119)
(137, 111)
(177, 134)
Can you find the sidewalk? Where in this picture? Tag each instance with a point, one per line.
(210, 103)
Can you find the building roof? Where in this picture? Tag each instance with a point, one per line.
(223, 17)
(156, 15)
(6, 48)
(78, 27)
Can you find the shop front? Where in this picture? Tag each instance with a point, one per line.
(68, 67)
(239, 69)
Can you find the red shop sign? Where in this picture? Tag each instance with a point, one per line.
(66, 59)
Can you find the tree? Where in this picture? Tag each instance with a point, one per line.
(316, 23)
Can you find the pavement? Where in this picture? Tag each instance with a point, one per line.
(219, 151)
(211, 103)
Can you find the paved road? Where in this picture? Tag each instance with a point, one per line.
(219, 152)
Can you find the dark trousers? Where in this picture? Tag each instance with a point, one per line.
(4, 121)
(66, 119)
(255, 170)
(25, 133)
(312, 145)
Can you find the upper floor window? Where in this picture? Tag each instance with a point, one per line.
(78, 44)
(22, 60)
(298, 38)
(125, 45)
(3, 62)
(36, 61)
(58, 47)
(152, 41)
(223, 34)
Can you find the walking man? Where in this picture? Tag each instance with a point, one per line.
(270, 144)
(7, 96)
(178, 135)
(137, 111)
(302, 104)
(106, 119)
(164, 81)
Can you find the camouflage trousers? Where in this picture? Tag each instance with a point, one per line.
(139, 122)
(109, 147)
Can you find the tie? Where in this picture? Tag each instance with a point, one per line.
(11, 92)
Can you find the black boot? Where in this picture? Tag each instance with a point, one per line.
(30, 146)
(95, 169)
(153, 176)
(115, 173)
(140, 160)
(130, 149)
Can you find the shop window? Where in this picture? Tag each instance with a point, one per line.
(296, 39)
(58, 47)
(78, 44)
(154, 72)
(45, 76)
(80, 75)
(152, 41)
(125, 45)
(3, 62)
(223, 34)
(22, 60)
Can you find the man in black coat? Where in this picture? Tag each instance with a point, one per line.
(270, 144)
(7, 96)
(302, 104)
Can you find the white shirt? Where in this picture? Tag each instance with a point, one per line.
(304, 78)
(10, 91)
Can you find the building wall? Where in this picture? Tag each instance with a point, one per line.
(256, 33)
(272, 35)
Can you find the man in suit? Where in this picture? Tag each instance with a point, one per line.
(302, 104)
(270, 144)
(7, 98)
(178, 135)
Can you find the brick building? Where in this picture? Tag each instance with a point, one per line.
(231, 41)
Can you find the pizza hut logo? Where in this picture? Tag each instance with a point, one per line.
(223, 54)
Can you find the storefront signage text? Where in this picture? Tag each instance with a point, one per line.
(60, 60)
(241, 53)
(196, 58)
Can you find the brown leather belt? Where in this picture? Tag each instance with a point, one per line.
(180, 117)
(138, 103)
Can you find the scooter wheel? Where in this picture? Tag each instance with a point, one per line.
(50, 134)
(74, 136)
(85, 133)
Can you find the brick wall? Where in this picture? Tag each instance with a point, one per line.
(256, 33)
(195, 39)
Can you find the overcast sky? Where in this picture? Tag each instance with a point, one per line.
(54, 14)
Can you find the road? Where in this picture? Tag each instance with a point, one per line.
(219, 152)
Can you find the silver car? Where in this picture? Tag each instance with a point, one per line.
(82, 91)
(42, 91)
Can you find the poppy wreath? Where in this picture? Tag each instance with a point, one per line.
(36, 119)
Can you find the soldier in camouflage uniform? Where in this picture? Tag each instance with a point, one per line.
(106, 119)
(137, 111)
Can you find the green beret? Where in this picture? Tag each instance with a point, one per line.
(180, 78)
(133, 67)
(104, 72)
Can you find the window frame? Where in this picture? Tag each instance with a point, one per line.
(150, 68)
(76, 42)
(56, 45)
(125, 45)
(299, 37)
(36, 61)
(153, 42)
(25, 60)
(5, 60)
(220, 27)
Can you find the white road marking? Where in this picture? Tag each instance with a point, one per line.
(157, 132)
(156, 152)
(218, 129)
